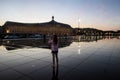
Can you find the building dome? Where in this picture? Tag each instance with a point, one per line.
(52, 27)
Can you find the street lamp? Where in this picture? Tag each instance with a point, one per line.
(78, 36)
(78, 30)
(78, 23)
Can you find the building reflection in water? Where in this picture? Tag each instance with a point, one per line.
(30, 43)
(41, 43)
(63, 42)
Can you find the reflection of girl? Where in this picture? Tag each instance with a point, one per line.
(55, 73)
(54, 48)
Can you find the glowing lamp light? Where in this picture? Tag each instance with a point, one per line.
(7, 31)
(78, 19)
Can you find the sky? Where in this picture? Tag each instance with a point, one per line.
(100, 14)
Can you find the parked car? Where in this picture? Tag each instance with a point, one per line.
(11, 37)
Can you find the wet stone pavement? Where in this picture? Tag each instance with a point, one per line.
(79, 61)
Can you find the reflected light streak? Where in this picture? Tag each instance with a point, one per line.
(79, 51)
(79, 45)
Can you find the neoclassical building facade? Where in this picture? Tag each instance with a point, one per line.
(46, 28)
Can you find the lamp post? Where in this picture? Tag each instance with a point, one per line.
(78, 29)
(78, 23)
(78, 36)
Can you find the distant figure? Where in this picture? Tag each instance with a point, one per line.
(44, 38)
(54, 49)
